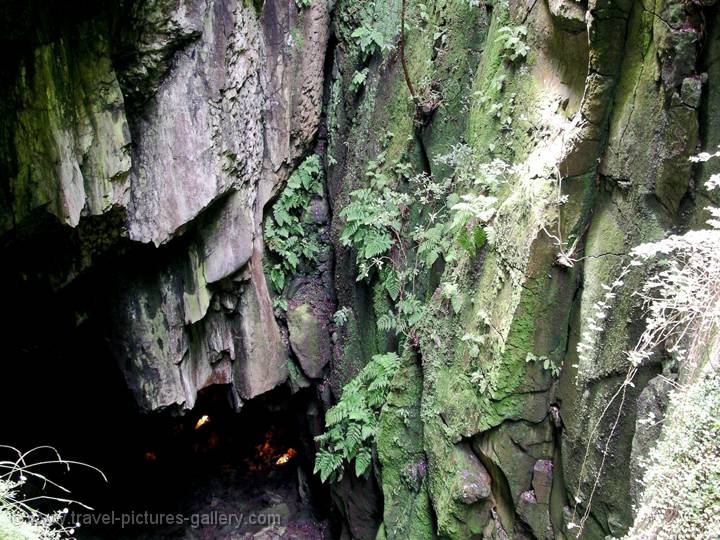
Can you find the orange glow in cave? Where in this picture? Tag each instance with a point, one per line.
(204, 419)
(269, 453)
(287, 456)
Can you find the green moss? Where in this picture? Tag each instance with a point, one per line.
(517, 301)
(357, 346)
(643, 103)
(464, 30)
(385, 106)
(450, 467)
(483, 127)
(296, 378)
(407, 511)
(70, 141)
(196, 296)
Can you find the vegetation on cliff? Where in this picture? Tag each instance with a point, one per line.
(469, 233)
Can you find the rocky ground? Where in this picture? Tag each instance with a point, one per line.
(230, 503)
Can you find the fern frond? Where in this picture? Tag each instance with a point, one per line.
(352, 423)
(362, 462)
(391, 283)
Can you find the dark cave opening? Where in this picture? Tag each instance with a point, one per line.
(213, 466)
(224, 472)
(210, 464)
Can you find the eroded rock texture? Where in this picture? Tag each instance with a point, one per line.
(142, 143)
(184, 119)
(609, 99)
(66, 137)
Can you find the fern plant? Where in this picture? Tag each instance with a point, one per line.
(376, 227)
(373, 219)
(341, 316)
(358, 80)
(351, 425)
(547, 363)
(284, 232)
(512, 39)
(369, 40)
(433, 242)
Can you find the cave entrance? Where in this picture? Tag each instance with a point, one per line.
(60, 385)
(212, 473)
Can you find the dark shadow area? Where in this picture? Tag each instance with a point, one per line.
(225, 473)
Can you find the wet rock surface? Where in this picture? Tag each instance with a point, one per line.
(142, 144)
(182, 118)
(310, 340)
(568, 14)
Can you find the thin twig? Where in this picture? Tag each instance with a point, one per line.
(406, 72)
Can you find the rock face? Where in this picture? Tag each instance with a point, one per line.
(651, 406)
(309, 339)
(201, 133)
(568, 15)
(66, 136)
(308, 321)
(185, 121)
(606, 99)
(145, 141)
